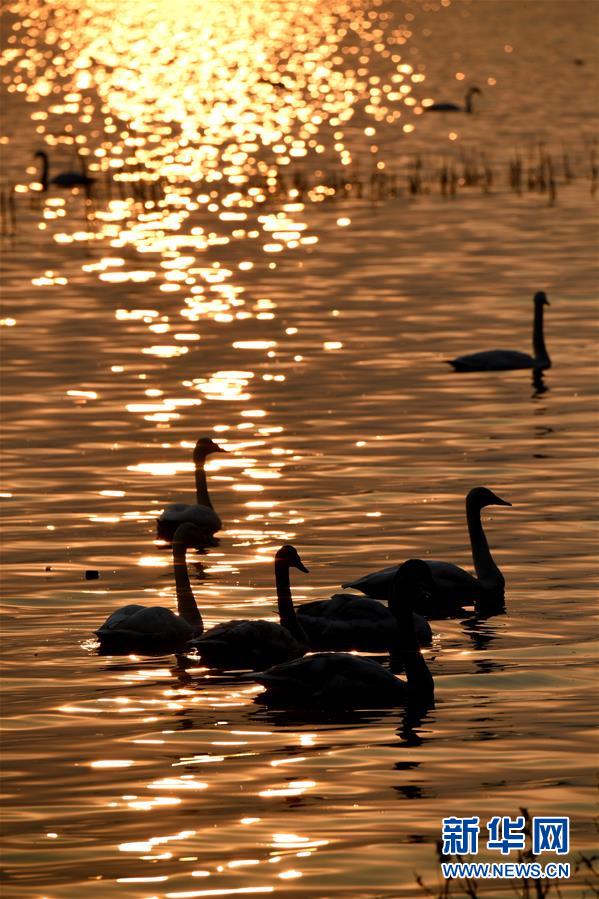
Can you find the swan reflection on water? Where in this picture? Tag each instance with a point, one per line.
(538, 383)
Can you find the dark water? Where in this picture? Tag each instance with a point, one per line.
(240, 292)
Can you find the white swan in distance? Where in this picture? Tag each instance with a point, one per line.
(508, 360)
(252, 644)
(341, 680)
(201, 513)
(155, 629)
(454, 107)
(346, 621)
(454, 587)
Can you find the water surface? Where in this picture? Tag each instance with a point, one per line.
(221, 280)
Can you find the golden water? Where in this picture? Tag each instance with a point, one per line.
(216, 284)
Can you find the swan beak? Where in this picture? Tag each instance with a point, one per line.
(501, 502)
(301, 567)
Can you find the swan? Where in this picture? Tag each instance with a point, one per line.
(201, 513)
(257, 644)
(453, 585)
(454, 107)
(64, 179)
(155, 629)
(347, 621)
(342, 680)
(507, 360)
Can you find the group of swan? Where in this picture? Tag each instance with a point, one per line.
(340, 624)
(278, 651)
(415, 591)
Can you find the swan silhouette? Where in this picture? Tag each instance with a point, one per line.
(155, 629)
(454, 107)
(341, 680)
(201, 513)
(354, 622)
(454, 587)
(508, 360)
(64, 179)
(256, 644)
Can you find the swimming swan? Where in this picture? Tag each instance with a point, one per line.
(64, 179)
(342, 680)
(354, 622)
(201, 513)
(453, 585)
(454, 107)
(258, 644)
(507, 360)
(153, 629)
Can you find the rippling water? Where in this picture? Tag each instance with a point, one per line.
(266, 256)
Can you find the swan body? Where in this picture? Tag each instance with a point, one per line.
(453, 587)
(194, 513)
(134, 627)
(353, 622)
(64, 179)
(342, 680)
(257, 644)
(201, 514)
(247, 644)
(337, 680)
(508, 360)
(154, 629)
(454, 107)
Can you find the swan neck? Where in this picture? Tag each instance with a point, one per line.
(202, 485)
(187, 607)
(538, 338)
(468, 102)
(484, 564)
(407, 652)
(287, 615)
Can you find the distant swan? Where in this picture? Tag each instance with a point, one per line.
(155, 629)
(454, 587)
(201, 513)
(454, 107)
(340, 680)
(354, 622)
(507, 360)
(64, 179)
(257, 644)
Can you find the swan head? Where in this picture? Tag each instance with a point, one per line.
(482, 496)
(204, 447)
(289, 556)
(540, 298)
(413, 580)
(473, 90)
(189, 535)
